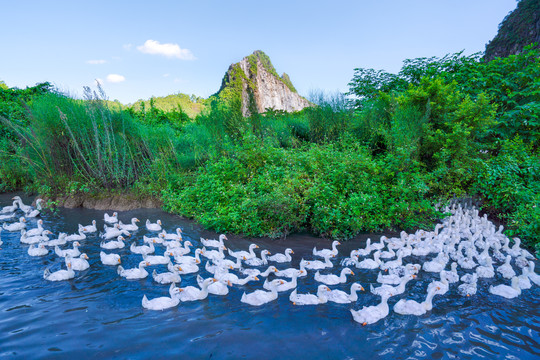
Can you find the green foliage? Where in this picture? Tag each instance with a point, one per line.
(177, 107)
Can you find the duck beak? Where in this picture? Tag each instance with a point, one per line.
(180, 269)
(256, 278)
(229, 283)
(292, 252)
(352, 272)
(119, 261)
(364, 323)
(362, 288)
(414, 276)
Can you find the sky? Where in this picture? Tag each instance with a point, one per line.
(140, 49)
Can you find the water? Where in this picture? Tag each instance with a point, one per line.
(99, 314)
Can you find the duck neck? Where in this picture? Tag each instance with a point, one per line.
(353, 296)
(428, 303)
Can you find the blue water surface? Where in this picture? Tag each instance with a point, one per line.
(99, 315)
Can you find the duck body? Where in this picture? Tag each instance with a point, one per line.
(113, 244)
(214, 243)
(191, 293)
(59, 275)
(332, 279)
(261, 297)
(164, 302)
(506, 291)
(109, 259)
(111, 219)
(142, 249)
(411, 307)
(371, 314)
(282, 258)
(327, 252)
(341, 297)
(135, 273)
(80, 263)
(168, 277)
(153, 226)
(310, 299)
(220, 287)
(39, 250)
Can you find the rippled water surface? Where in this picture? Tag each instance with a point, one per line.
(99, 314)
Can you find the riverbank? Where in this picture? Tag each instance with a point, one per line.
(104, 201)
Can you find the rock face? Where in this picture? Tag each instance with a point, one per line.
(520, 28)
(255, 83)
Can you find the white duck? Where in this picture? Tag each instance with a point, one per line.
(290, 272)
(25, 239)
(191, 293)
(164, 302)
(258, 262)
(7, 217)
(310, 299)
(372, 314)
(395, 278)
(285, 286)
(282, 258)
(89, 229)
(245, 254)
(180, 251)
(68, 252)
(257, 272)
(80, 263)
(506, 291)
(60, 274)
(341, 297)
(189, 259)
(23, 207)
(324, 252)
(77, 237)
(332, 279)
(129, 227)
(176, 236)
(469, 288)
(214, 243)
(153, 226)
(113, 244)
(486, 271)
(524, 281)
(534, 277)
(32, 213)
(187, 268)
(220, 287)
(168, 277)
(370, 263)
(10, 208)
(143, 249)
(109, 259)
(260, 297)
(380, 245)
(111, 219)
(39, 250)
(452, 275)
(436, 265)
(411, 307)
(115, 232)
(17, 226)
(56, 242)
(443, 284)
(392, 290)
(365, 251)
(157, 259)
(214, 255)
(317, 264)
(135, 273)
(506, 269)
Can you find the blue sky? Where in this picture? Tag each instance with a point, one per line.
(142, 49)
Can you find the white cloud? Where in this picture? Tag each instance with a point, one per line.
(96, 62)
(115, 78)
(166, 75)
(127, 46)
(153, 47)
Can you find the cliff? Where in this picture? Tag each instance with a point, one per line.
(255, 84)
(519, 28)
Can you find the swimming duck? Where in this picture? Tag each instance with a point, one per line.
(258, 262)
(324, 252)
(68, 252)
(188, 259)
(109, 259)
(39, 250)
(32, 213)
(60, 274)
(214, 255)
(245, 255)
(157, 259)
(114, 232)
(17, 226)
(506, 291)
(113, 244)
(341, 297)
(129, 227)
(89, 229)
(55, 242)
(168, 277)
(282, 258)
(317, 264)
(290, 272)
(214, 243)
(176, 236)
(77, 237)
(486, 271)
(392, 290)
(310, 299)
(285, 286)
(370, 263)
(180, 251)
(142, 249)
(469, 288)
(153, 226)
(80, 263)
(25, 239)
(257, 272)
(191, 293)
(452, 275)
(394, 263)
(135, 273)
(372, 314)
(220, 287)
(506, 269)
(524, 281)
(111, 219)
(10, 208)
(365, 251)
(443, 284)
(164, 302)
(332, 279)
(534, 277)
(411, 307)
(260, 297)
(436, 265)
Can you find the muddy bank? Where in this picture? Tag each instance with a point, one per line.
(116, 202)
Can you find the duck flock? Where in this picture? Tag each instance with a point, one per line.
(469, 249)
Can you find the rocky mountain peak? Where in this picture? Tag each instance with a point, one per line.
(256, 84)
